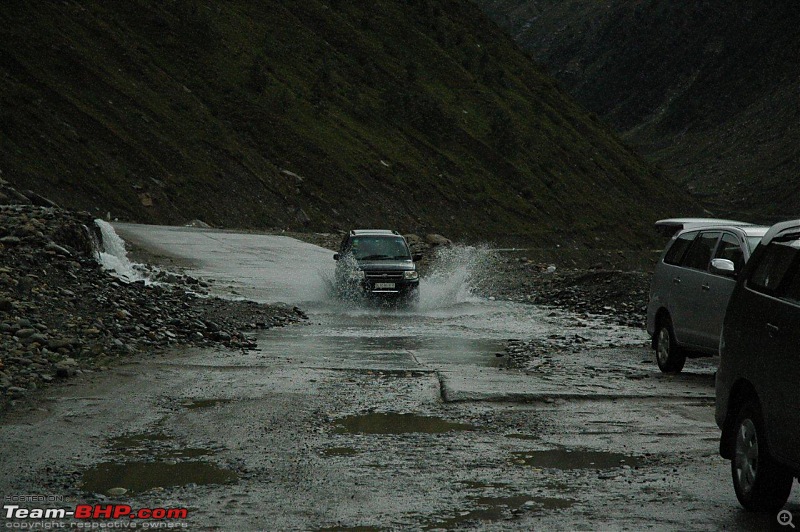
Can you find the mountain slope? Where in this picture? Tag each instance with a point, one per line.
(418, 115)
(707, 89)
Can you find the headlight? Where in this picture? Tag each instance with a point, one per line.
(356, 275)
(411, 276)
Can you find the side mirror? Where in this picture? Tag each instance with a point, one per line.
(336, 256)
(723, 267)
(416, 257)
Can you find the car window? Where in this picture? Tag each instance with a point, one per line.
(378, 248)
(699, 254)
(792, 293)
(730, 249)
(778, 259)
(753, 241)
(678, 248)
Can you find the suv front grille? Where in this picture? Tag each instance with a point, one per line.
(384, 276)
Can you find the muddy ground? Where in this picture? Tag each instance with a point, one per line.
(346, 424)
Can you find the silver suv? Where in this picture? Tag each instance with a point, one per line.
(692, 284)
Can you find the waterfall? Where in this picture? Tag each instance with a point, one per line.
(113, 256)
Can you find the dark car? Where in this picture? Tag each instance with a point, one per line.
(758, 380)
(691, 285)
(378, 263)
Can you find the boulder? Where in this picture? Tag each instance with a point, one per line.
(437, 240)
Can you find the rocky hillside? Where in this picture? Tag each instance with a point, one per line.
(417, 114)
(62, 314)
(707, 89)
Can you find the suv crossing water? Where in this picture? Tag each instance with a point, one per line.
(376, 262)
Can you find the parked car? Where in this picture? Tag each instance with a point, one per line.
(691, 285)
(378, 263)
(758, 380)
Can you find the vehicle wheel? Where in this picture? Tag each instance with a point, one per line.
(761, 484)
(669, 356)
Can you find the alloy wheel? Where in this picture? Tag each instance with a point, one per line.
(746, 459)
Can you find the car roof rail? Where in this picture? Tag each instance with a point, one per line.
(373, 232)
(670, 226)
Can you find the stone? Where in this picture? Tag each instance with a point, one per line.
(146, 199)
(60, 343)
(59, 250)
(24, 333)
(437, 240)
(38, 338)
(198, 223)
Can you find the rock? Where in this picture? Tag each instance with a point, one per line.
(38, 200)
(64, 371)
(59, 250)
(10, 240)
(302, 217)
(437, 240)
(39, 338)
(198, 223)
(296, 177)
(61, 343)
(116, 492)
(24, 333)
(146, 199)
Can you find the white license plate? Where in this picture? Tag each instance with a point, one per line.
(384, 285)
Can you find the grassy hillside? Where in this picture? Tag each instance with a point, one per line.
(707, 89)
(417, 114)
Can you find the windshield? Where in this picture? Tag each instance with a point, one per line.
(379, 248)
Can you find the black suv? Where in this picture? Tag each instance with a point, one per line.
(758, 380)
(376, 262)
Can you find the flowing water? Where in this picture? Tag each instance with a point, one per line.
(450, 325)
(114, 257)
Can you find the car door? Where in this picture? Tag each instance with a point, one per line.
(772, 338)
(784, 325)
(715, 291)
(692, 301)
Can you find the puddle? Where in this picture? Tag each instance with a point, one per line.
(566, 459)
(339, 451)
(393, 423)
(349, 529)
(154, 460)
(475, 485)
(497, 508)
(137, 442)
(522, 436)
(138, 477)
(154, 445)
(204, 403)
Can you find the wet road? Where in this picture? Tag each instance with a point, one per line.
(372, 418)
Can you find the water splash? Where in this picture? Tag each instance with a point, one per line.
(113, 256)
(454, 274)
(452, 277)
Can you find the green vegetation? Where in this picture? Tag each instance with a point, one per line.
(705, 89)
(415, 114)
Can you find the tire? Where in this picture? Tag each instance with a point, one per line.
(761, 484)
(669, 356)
